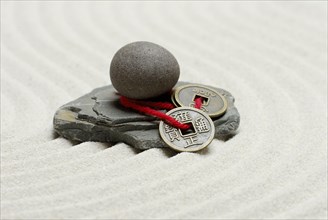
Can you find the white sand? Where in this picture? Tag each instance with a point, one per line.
(271, 56)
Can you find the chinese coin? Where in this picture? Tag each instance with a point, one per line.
(214, 104)
(199, 136)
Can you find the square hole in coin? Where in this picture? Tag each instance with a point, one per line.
(205, 99)
(189, 132)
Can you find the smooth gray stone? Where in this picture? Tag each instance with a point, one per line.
(98, 116)
(143, 70)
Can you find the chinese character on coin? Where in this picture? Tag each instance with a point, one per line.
(198, 136)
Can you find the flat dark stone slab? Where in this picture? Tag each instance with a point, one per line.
(98, 116)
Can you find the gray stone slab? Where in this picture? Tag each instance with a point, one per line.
(98, 116)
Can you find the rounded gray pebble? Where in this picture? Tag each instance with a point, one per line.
(143, 70)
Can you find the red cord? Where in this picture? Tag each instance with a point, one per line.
(142, 106)
(198, 103)
(156, 105)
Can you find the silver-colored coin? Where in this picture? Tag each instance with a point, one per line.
(199, 136)
(214, 104)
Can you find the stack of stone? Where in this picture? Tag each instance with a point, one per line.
(140, 70)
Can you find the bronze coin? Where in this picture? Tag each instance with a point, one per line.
(199, 136)
(214, 104)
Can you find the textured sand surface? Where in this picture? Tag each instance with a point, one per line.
(271, 56)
